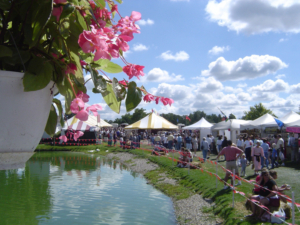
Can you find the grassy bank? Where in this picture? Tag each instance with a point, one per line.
(193, 181)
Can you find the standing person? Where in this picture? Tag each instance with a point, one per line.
(170, 140)
(256, 153)
(219, 143)
(274, 156)
(195, 144)
(179, 141)
(209, 141)
(157, 139)
(231, 153)
(205, 147)
(280, 147)
(240, 143)
(243, 164)
(188, 142)
(247, 146)
(265, 158)
(294, 146)
(115, 139)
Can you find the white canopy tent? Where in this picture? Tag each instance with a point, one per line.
(231, 128)
(202, 125)
(263, 121)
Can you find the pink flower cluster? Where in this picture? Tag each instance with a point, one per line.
(133, 70)
(165, 101)
(77, 107)
(75, 135)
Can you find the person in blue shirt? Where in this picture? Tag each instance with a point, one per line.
(179, 141)
(188, 142)
(265, 161)
(274, 156)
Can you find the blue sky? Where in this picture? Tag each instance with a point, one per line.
(229, 54)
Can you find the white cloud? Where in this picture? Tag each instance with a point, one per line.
(89, 85)
(179, 56)
(283, 39)
(280, 76)
(295, 88)
(176, 92)
(242, 85)
(244, 97)
(249, 67)
(271, 86)
(263, 97)
(180, 0)
(159, 75)
(145, 22)
(217, 50)
(140, 47)
(256, 16)
(209, 84)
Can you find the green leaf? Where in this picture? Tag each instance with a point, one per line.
(51, 122)
(17, 59)
(134, 96)
(60, 110)
(120, 1)
(111, 99)
(5, 51)
(64, 29)
(78, 74)
(68, 9)
(119, 90)
(65, 89)
(41, 14)
(5, 5)
(112, 68)
(81, 20)
(38, 74)
(101, 3)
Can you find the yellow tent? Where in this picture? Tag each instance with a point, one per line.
(76, 124)
(152, 121)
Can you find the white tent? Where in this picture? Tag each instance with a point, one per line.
(202, 125)
(75, 124)
(198, 125)
(289, 119)
(263, 121)
(152, 121)
(230, 128)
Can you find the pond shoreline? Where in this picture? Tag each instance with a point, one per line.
(189, 210)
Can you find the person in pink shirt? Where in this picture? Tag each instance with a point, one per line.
(231, 153)
(257, 152)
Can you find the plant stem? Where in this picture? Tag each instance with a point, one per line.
(71, 85)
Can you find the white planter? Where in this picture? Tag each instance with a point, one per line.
(23, 115)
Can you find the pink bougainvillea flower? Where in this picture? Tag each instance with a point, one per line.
(58, 10)
(77, 135)
(114, 8)
(71, 68)
(76, 105)
(63, 138)
(82, 115)
(148, 98)
(123, 45)
(83, 96)
(135, 16)
(113, 50)
(157, 100)
(94, 108)
(133, 70)
(100, 54)
(164, 101)
(123, 82)
(169, 101)
(83, 63)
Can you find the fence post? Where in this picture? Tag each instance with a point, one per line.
(293, 207)
(217, 175)
(233, 187)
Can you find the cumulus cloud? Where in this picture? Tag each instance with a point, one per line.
(271, 86)
(263, 96)
(256, 16)
(280, 76)
(295, 88)
(140, 47)
(89, 85)
(176, 92)
(244, 68)
(145, 22)
(159, 75)
(216, 50)
(242, 85)
(179, 56)
(245, 97)
(283, 39)
(209, 84)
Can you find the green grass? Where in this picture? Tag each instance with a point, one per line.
(194, 181)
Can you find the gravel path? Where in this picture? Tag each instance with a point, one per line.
(188, 211)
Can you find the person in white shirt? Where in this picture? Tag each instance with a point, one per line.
(280, 147)
(240, 143)
(209, 141)
(219, 143)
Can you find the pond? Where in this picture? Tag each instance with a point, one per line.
(74, 188)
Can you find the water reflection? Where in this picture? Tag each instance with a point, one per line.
(72, 188)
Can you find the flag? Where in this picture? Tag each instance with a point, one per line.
(177, 120)
(280, 123)
(187, 118)
(225, 117)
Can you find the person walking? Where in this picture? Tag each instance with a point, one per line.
(204, 147)
(265, 157)
(256, 153)
(247, 146)
(195, 144)
(231, 154)
(170, 140)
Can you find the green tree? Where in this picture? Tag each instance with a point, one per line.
(138, 114)
(256, 111)
(231, 116)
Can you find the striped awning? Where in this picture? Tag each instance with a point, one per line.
(75, 124)
(152, 121)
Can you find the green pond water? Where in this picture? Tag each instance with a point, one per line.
(74, 188)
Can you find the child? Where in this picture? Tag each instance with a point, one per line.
(274, 156)
(243, 162)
